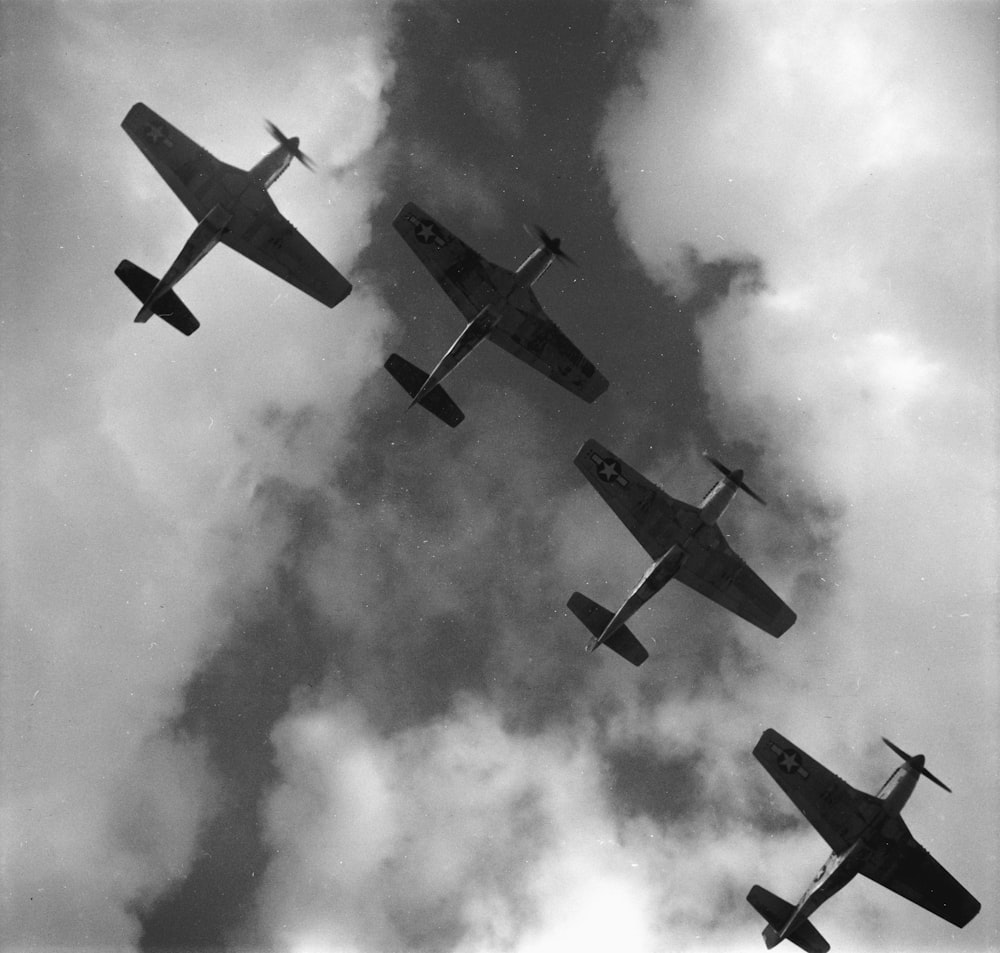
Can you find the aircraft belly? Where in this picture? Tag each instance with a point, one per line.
(835, 874)
(717, 573)
(247, 223)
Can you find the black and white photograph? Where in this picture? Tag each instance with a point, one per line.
(499, 476)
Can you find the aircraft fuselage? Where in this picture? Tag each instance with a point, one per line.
(872, 849)
(233, 191)
(717, 499)
(479, 328)
(533, 267)
(665, 568)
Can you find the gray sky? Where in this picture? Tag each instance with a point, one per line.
(285, 668)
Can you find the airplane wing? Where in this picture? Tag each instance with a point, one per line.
(653, 517)
(194, 174)
(527, 332)
(838, 812)
(466, 277)
(259, 231)
(714, 570)
(908, 869)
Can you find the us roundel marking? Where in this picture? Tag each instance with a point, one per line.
(790, 761)
(427, 234)
(608, 470)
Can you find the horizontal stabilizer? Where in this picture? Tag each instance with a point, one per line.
(411, 379)
(596, 618)
(778, 912)
(168, 306)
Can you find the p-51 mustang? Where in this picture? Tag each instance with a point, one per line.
(684, 542)
(497, 304)
(868, 837)
(231, 206)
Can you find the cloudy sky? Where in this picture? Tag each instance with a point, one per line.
(285, 668)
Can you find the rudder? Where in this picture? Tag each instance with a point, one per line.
(168, 306)
(596, 618)
(411, 379)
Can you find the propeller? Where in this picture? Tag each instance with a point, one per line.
(292, 145)
(550, 244)
(737, 477)
(923, 770)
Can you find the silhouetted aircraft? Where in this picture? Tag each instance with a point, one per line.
(868, 837)
(684, 542)
(232, 207)
(498, 305)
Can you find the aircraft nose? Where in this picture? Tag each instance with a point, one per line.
(736, 476)
(917, 761)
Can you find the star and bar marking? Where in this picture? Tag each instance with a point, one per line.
(427, 232)
(156, 133)
(608, 469)
(790, 761)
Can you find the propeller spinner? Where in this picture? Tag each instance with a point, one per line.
(737, 477)
(292, 145)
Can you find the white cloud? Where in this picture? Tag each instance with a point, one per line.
(131, 454)
(851, 148)
(468, 833)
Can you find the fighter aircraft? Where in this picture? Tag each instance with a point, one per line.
(868, 837)
(498, 305)
(231, 206)
(684, 542)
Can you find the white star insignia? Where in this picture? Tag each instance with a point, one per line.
(608, 470)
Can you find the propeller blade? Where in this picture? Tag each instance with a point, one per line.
(898, 751)
(287, 143)
(553, 245)
(937, 781)
(718, 466)
(923, 771)
(738, 480)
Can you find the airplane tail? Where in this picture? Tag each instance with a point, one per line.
(596, 618)
(411, 379)
(778, 912)
(168, 306)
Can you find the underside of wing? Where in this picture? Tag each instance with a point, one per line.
(908, 869)
(653, 517)
(530, 335)
(196, 177)
(466, 277)
(714, 570)
(838, 812)
(262, 234)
